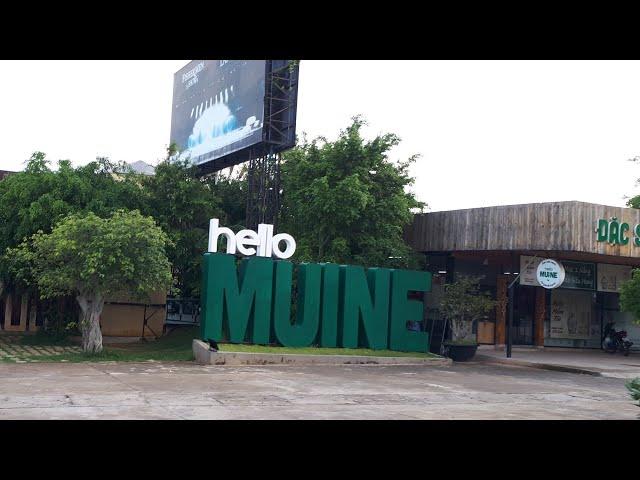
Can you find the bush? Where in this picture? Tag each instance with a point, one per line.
(634, 389)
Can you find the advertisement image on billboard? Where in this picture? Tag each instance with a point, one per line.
(218, 108)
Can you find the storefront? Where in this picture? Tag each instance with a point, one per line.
(597, 245)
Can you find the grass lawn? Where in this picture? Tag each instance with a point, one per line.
(176, 346)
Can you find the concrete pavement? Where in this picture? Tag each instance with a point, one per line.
(153, 390)
(592, 362)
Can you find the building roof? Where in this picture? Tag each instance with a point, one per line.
(5, 173)
(553, 226)
(143, 168)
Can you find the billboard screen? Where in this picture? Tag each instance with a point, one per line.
(218, 108)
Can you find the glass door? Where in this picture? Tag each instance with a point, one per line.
(523, 314)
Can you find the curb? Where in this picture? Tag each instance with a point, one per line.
(542, 366)
(204, 356)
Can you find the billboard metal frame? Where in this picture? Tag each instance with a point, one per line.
(279, 134)
(263, 190)
(280, 105)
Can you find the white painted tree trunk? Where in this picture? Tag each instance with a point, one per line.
(91, 306)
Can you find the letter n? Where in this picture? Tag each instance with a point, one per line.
(365, 311)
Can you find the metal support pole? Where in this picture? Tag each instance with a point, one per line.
(510, 322)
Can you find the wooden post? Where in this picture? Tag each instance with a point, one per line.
(540, 313)
(501, 309)
(7, 312)
(33, 313)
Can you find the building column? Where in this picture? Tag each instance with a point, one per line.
(12, 302)
(7, 311)
(33, 312)
(540, 313)
(501, 310)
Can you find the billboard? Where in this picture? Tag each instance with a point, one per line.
(218, 108)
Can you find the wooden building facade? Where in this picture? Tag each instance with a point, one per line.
(598, 246)
(121, 317)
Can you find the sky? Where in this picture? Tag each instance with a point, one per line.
(487, 132)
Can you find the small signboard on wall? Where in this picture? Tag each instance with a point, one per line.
(528, 270)
(579, 275)
(610, 277)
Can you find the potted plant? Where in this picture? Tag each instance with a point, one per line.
(462, 304)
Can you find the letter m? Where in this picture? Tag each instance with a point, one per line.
(236, 307)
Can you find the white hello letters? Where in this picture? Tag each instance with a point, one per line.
(267, 243)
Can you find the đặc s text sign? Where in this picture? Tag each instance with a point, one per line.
(335, 305)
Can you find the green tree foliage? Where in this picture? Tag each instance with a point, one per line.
(231, 190)
(634, 202)
(630, 295)
(183, 203)
(462, 304)
(37, 198)
(94, 258)
(634, 389)
(346, 202)
(40, 196)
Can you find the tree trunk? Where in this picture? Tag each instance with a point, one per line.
(91, 306)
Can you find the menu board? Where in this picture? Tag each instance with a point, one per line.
(580, 275)
(610, 277)
(571, 315)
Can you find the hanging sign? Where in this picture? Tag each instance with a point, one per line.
(550, 273)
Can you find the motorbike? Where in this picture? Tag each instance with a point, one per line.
(614, 341)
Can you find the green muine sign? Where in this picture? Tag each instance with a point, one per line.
(336, 305)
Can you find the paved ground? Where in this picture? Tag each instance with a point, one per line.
(594, 361)
(12, 351)
(189, 391)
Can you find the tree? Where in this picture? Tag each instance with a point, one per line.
(182, 203)
(346, 202)
(634, 389)
(462, 304)
(630, 295)
(37, 198)
(94, 258)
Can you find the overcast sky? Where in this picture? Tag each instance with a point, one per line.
(490, 133)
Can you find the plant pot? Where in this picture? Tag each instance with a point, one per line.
(461, 352)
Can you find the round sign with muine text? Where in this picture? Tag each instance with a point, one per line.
(550, 273)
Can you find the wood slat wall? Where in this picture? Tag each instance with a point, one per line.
(556, 226)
